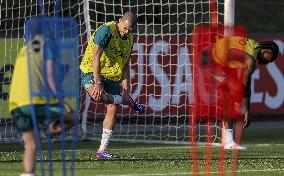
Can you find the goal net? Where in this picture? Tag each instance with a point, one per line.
(161, 64)
(161, 70)
(14, 14)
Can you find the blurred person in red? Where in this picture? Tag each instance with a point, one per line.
(235, 52)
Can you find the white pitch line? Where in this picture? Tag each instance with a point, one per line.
(165, 174)
(179, 147)
(167, 147)
(188, 146)
(265, 145)
(154, 148)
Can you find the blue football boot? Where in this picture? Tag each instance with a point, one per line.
(104, 155)
(136, 106)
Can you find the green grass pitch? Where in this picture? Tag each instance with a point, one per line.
(147, 159)
(160, 159)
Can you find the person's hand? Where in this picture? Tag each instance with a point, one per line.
(125, 94)
(125, 98)
(96, 92)
(246, 121)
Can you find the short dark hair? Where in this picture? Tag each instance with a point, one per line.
(131, 17)
(272, 46)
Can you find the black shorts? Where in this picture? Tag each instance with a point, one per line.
(109, 86)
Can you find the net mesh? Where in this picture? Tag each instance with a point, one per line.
(161, 64)
(14, 13)
(161, 70)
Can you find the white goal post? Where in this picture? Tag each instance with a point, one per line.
(161, 64)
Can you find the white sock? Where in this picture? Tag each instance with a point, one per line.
(227, 136)
(117, 99)
(27, 174)
(105, 139)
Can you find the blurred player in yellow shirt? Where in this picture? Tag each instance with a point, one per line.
(240, 53)
(21, 102)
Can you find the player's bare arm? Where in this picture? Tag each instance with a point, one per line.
(248, 71)
(125, 79)
(54, 126)
(125, 83)
(50, 75)
(51, 81)
(96, 91)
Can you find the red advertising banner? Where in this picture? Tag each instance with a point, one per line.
(267, 93)
(161, 78)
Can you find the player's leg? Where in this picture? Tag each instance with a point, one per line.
(230, 89)
(24, 125)
(123, 99)
(54, 119)
(29, 152)
(111, 88)
(230, 93)
(108, 124)
(231, 136)
(107, 97)
(228, 137)
(227, 132)
(88, 83)
(57, 118)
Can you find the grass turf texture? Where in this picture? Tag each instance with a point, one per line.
(159, 159)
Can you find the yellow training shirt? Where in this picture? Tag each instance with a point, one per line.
(220, 50)
(20, 86)
(115, 56)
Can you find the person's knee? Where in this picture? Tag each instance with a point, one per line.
(111, 107)
(107, 98)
